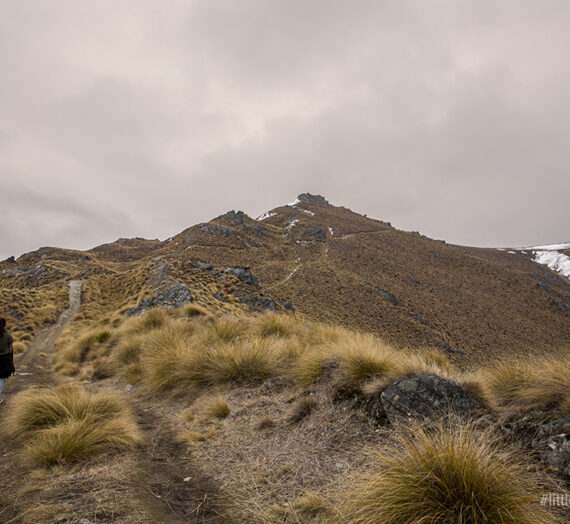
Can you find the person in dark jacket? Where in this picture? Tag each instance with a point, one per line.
(6, 355)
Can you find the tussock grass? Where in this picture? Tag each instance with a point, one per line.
(274, 324)
(302, 408)
(67, 424)
(194, 310)
(217, 407)
(178, 362)
(449, 474)
(528, 384)
(311, 505)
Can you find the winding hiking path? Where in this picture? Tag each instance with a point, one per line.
(33, 367)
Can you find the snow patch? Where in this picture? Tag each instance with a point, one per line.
(548, 247)
(268, 214)
(291, 224)
(331, 231)
(294, 203)
(512, 252)
(305, 210)
(556, 261)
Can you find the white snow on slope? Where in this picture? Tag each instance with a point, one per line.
(554, 260)
(549, 247)
(266, 215)
(305, 210)
(291, 225)
(294, 203)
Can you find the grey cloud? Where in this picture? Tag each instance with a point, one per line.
(447, 117)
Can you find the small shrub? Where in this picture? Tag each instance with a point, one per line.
(450, 474)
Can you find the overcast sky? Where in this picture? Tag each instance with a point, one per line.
(128, 118)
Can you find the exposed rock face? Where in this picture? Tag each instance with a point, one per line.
(312, 199)
(553, 441)
(315, 232)
(244, 274)
(175, 295)
(424, 397)
(386, 295)
(10, 260)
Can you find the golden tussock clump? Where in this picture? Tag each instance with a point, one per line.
(217, 407)
(527, 384)
(67, 424)
(446, 474)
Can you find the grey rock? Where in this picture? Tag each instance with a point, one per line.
(316, 232)
(387, 296)
(553, 442)
(10, 260)
(204, 265)
(312, 199)
(425, 397)
(244, 274)
(174, 295)
(267, 303)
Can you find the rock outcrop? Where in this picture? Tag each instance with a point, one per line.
(423, 397)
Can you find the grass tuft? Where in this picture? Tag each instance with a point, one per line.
(450, 474)
(67, 424)
(217, 407)
(528, 384)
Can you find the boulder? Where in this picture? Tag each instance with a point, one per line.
(553, 442)
(425, 397)
(244, 274)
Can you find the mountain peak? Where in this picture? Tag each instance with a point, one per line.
(308, 198)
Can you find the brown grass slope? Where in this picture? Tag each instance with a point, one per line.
(334, 265)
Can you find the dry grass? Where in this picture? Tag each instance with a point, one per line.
(527, 384)
(194, 310)
(217, 407)
(67, 424)
(302, 408)
(450, 474)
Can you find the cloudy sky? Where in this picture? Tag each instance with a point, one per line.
(142, 117)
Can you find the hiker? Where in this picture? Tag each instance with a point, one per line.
(6, 355)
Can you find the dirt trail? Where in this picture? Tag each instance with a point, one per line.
(169, 485)
(33, 368)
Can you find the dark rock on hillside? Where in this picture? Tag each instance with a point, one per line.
(315, 232)
(244, 274)
(424, 397)
(553, 442)
(10, 260)
(387, 296)
(234, 217)
(175, 295)
(312, 199)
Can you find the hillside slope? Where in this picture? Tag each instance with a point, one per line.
(332, 265)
